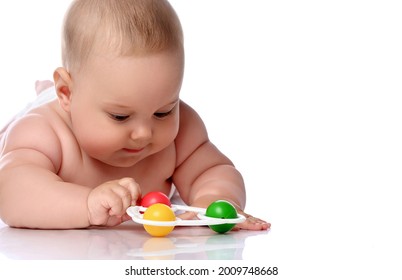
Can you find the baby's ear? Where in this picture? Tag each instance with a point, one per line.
(62, 83)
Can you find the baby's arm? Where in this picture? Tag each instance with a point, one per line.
(33, 195)
(204, 174)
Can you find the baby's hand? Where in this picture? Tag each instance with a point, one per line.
(108, 202)
(252, 223)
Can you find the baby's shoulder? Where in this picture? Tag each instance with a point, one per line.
(192, 132)
(190, 121)
(35, 131)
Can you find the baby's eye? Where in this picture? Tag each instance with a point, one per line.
(119, 118)
(161, 115)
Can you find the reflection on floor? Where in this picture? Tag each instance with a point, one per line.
(127, 241)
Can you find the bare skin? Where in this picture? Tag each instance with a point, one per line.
(115, 132)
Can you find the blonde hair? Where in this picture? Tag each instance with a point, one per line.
(124, 27)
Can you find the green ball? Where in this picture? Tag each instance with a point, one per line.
(221, 209)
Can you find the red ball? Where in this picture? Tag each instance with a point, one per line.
(153, 198)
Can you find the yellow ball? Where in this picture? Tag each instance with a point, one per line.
(159, 212)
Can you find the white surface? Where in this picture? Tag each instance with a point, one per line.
(304, 96)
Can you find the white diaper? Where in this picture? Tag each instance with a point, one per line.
(44, 97)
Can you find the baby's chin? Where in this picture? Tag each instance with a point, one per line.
(121, 162)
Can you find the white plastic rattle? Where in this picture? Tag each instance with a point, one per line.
(159, 219)
(135, 213)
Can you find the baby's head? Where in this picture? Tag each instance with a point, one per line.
(119, 28)
(123, 68)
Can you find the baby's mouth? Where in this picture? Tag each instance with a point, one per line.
(133, 151)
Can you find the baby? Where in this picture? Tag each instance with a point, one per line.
(116, 128)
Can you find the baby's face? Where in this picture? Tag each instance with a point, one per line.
(124, 109)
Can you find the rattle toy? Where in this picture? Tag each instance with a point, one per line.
(159, 220)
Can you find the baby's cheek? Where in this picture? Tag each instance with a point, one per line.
(165, 135)
(96, 143)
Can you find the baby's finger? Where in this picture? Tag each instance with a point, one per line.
(132, 186)
(120, 201)
(125, 217)
(253, 223)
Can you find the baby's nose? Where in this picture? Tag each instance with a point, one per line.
(141, 132)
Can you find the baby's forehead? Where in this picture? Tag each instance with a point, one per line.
(158, 71)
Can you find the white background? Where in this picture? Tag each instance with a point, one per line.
(303, 96)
